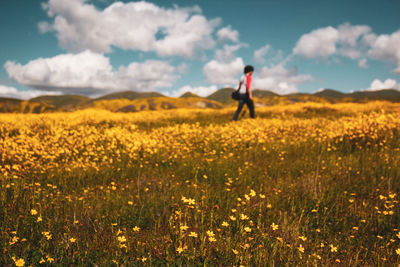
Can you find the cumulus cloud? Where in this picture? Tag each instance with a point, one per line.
(227, 53)
(259, 54)
(12, 92)
(363, 63)
(387, 48)
(227, 33)
(280, 80)
(223, 73)
(139, 26)
(356, 42)
(199, 90)
(318, 43)
(90, 73)
(387, 84)
(346, 40)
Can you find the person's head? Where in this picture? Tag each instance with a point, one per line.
(248, 69)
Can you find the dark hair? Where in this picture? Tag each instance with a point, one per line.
(248, 69)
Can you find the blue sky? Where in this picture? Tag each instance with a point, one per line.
(95, 47)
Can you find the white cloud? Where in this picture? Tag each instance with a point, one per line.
(346, 40)
(139, 26)
(223, 73)
(259, 54)
(387, 84)
(227, 53)
(90, 73)
(227, 33)
(363, 63)
(12, 92)
(387, 48)
(318, 43)
(199, 90)
(280, 80)
(351, 41)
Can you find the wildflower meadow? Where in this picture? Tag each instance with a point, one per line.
(303, 184)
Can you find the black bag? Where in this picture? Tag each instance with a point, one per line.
(236, 95)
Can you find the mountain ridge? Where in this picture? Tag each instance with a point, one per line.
(137, 101)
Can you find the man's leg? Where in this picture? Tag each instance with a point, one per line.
(250, 105)
(240, 106)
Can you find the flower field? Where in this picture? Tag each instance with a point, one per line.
(302, 184)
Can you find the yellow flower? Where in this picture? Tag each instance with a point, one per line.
(232, 218)
(212, 239)
(193, 234)
(398, 251)
(184, 227)
(130, 202)
(34, 212)
(225, 224)
(210, 233)
(179, 250)
(49, 259)
(398, 235)
(303, 238)
(72, 240)
(42, 260)
(18, 262)
(274, 227)
(136, 229)
(333, 248)
(235, 251)
(243, 217)
(301, 248)
(262, 196)
(252, 193)
(121, 239)
(247, 229)
(39, 219)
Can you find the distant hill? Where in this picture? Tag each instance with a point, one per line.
(130, 101)
(386, 94)
(222, 95)
(330, 93)
(189, 94)
(63, 102)
(263, 93)
(131, 95)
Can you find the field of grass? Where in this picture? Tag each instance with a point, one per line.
(300, 185)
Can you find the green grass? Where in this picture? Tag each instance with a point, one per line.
(332, 193)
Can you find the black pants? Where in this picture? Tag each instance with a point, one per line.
(244, 99)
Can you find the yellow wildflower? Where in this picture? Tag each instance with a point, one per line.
(303, 238)
(18, 262)
(193, 234)
(225, 224)
(34, 212)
